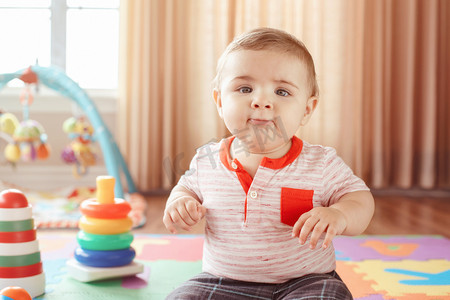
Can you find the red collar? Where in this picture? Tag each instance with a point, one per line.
(272, 163)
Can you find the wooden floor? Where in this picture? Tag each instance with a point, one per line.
(393, 215)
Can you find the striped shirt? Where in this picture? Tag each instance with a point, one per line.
(249, 220)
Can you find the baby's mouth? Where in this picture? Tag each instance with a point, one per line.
(259, 122)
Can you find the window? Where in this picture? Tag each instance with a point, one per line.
(79, 36)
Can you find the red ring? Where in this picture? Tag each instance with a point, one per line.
(18, 237)
(19, 272)
(93, 209)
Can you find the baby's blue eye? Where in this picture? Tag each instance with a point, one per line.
(245, 90)
(281, 92)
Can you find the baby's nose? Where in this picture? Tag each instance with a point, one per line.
(261, 102)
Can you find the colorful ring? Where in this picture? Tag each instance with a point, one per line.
(92, 208)
(20, 260)
(105, 226)
(89, 241)
(14, 226)
(7, 249)
(15, 214)
(18, 272)
(105, 259)
(18, 237)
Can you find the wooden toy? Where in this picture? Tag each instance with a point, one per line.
(104, 239)
(20, 258)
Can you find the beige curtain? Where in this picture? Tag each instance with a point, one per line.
(406, 98)
(382, 68)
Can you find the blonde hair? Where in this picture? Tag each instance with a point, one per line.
(270, 39)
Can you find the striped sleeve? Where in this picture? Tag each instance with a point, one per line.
(338, 178)
(189, 179)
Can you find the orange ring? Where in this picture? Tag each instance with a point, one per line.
(18, 236)
(19, 272)
(93, 209)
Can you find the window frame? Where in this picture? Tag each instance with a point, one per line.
(58, 38)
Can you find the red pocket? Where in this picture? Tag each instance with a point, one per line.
(294, 202)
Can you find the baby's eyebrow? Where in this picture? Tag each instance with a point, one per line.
(244, 77)
(287, 82)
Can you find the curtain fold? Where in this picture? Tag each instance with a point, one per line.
(383, 72)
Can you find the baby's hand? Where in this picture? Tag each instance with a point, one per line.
(317, 221)
(184, 212)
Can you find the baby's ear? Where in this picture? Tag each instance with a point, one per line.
(311, 105)
(218, 100)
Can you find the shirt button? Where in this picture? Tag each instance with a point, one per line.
(253, 194)
(234, 165)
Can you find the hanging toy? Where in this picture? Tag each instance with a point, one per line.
(29, 141)
(79, 152)
(8, 124)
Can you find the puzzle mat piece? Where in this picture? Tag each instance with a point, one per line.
(359, 287)
(57, 246)
(179, 248)
(394, 282)
(164, 276)
(392, 247)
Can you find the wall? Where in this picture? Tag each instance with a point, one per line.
(51, 110)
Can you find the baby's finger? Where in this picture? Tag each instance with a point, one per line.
(178, 220)
(186, 216)
(191, 208)
(331, 233)
(168, 222)
(299, 224)
(307, 228)
(319, 229)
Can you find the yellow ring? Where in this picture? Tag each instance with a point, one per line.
(105, 226)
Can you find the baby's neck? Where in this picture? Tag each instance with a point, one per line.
(246, 154)
(251, 160)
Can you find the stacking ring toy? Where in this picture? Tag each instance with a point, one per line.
(19, 272)
(20, 260)
(105, 226)
(105, 259)
(13, 226)
(14, 214)
(10, 249)
(13, 198)
(89, 241)
(94, 209)
(18, 237)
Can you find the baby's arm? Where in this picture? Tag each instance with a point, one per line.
(183, 209)
(349, 216)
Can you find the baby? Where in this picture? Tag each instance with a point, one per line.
(272, 202)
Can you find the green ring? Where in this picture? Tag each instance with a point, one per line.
(15, 226)
(90, 241)
(20, 260)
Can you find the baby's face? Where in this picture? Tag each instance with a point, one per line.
(264, 97)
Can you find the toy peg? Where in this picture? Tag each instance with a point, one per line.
(105, 189)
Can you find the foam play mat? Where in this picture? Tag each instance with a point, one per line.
(374, 267)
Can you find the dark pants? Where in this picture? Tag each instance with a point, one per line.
(313, 286)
